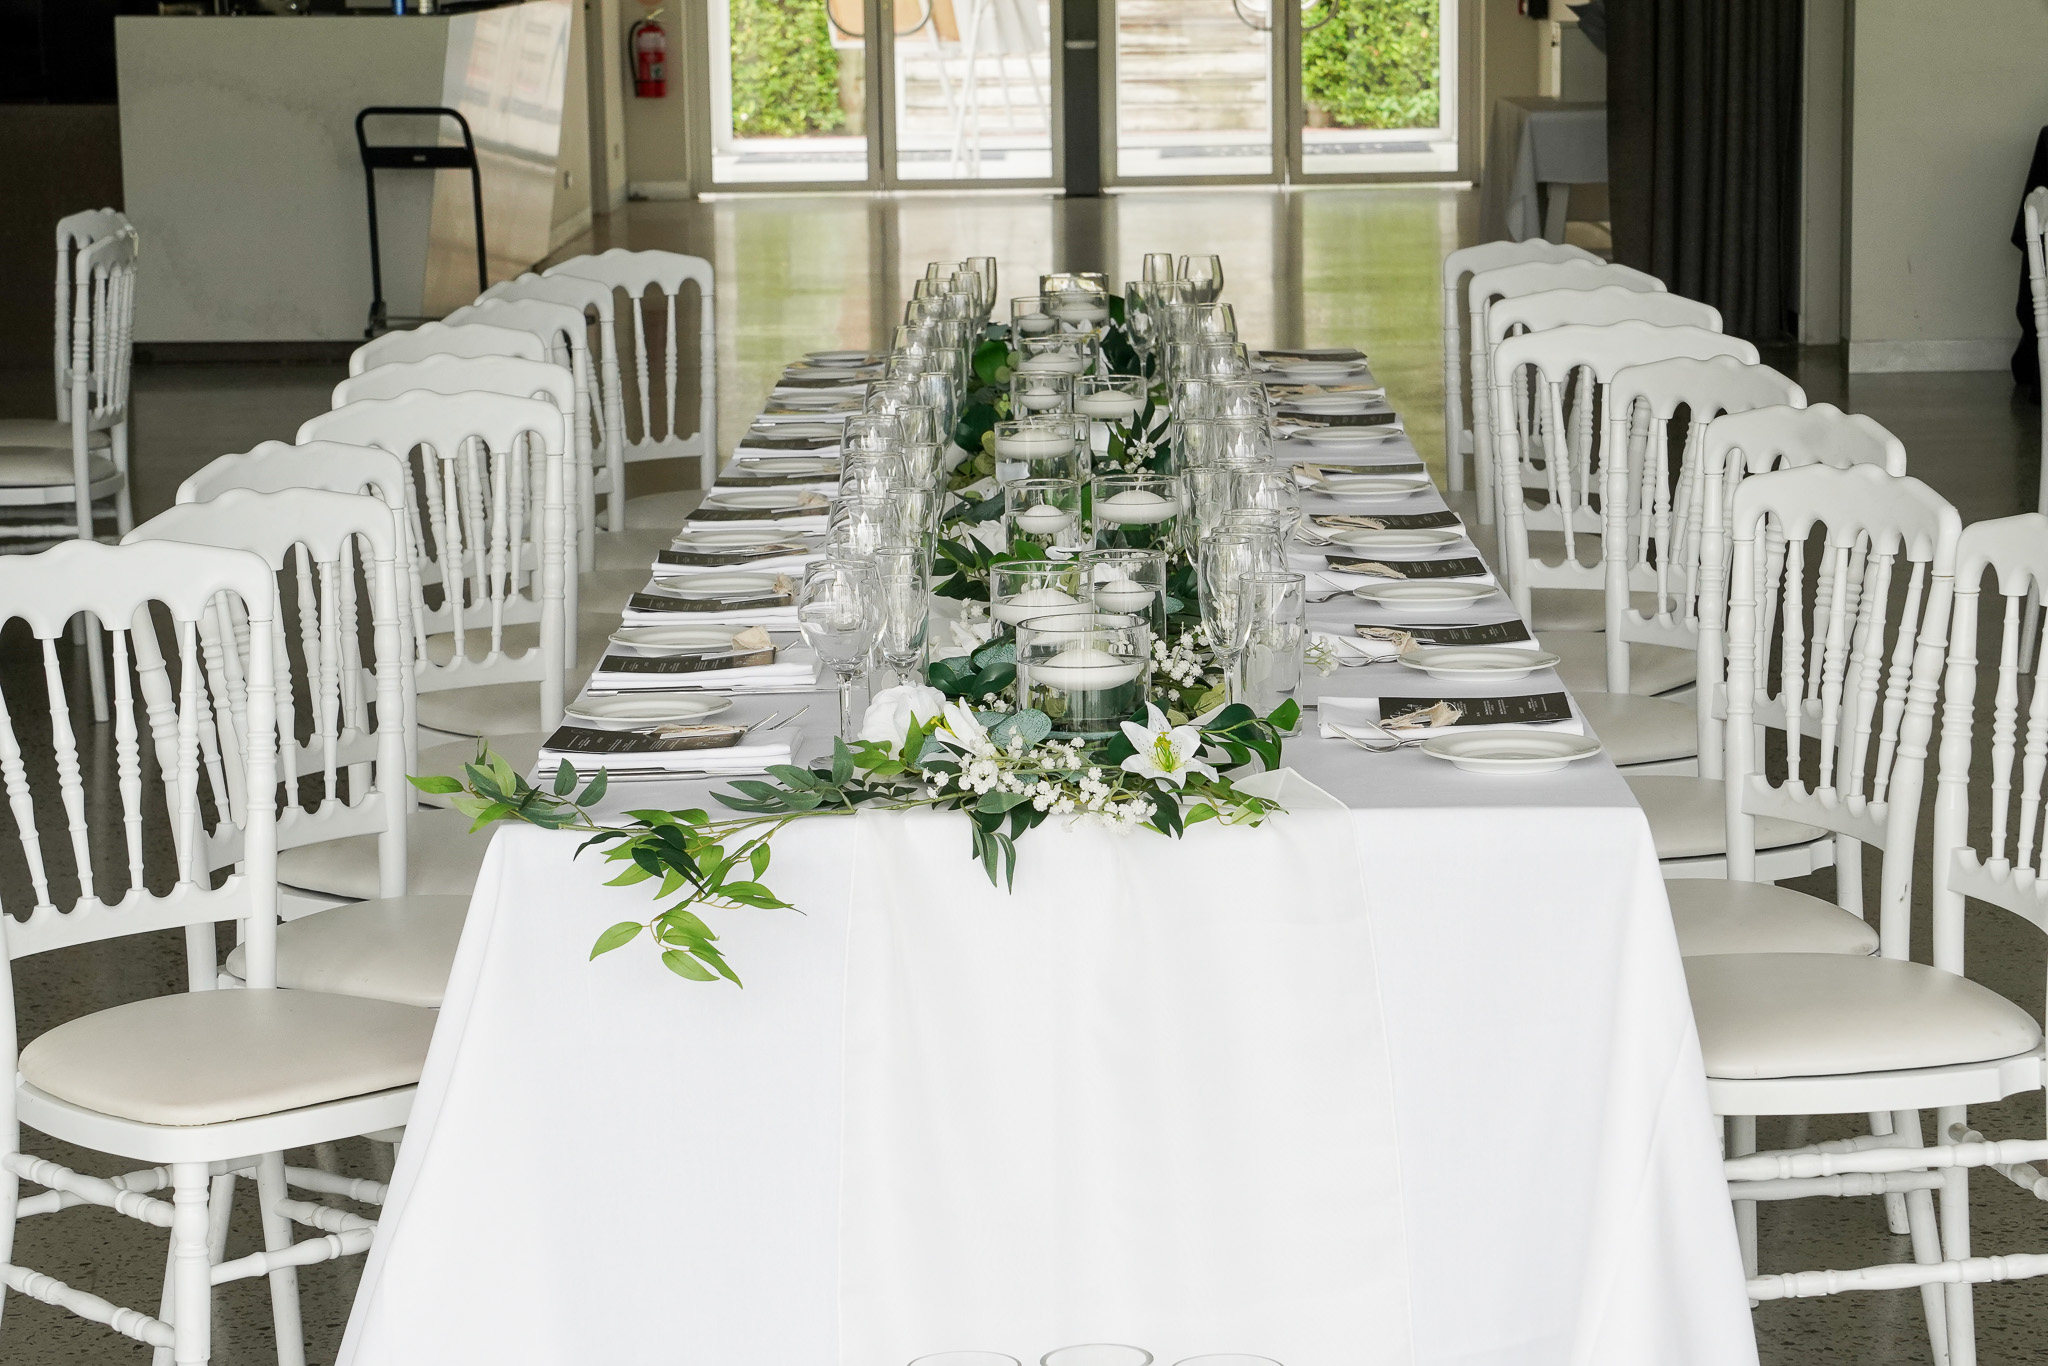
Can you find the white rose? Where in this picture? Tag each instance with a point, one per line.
(895, 710)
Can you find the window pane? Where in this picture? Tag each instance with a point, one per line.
(1378, 87)
(788, 90)
(1193, 88)
(973, 89)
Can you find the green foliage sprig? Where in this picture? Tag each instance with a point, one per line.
(1373, 64)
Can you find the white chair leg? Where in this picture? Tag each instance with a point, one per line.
(1955, 1244)
(220, 1210)
(1741, 1143)
(1926, 1236)
(284, 1282)
(167, 1306)
(86, 632)
(124, 506)
(191, 1268)
(1895, 1203)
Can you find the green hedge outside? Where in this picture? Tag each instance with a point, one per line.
(785, 75)
(1374, 64)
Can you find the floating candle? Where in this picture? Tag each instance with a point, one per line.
(1053, 363)
(1033, 445)
(1080, 307)
(1108, 405)
(1083, 668)
(1122, 595)
(1035, 324)
(1039, 400)
(1035, 602)
(1043, 519)
(1136, 507)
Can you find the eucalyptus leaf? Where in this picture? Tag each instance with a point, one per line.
(1031, 724)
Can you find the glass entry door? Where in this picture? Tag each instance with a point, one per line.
(879, 93)
(1212, 91)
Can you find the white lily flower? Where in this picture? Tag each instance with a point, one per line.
(965, 733)
(1165, 752)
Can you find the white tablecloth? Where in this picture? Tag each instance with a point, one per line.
(1537, 141)
(1414, 1079)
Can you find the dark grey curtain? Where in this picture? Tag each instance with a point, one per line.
(1703, 153)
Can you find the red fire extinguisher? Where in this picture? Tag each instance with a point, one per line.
(648, 42)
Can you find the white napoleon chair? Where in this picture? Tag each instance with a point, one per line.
(1466, 261)
(1654, 519)
(440, 339)
(204, 1084)
(665, 273)
(2034, 228)
(1846, 1033)
(561, 328)
(486, 375)
(1506, 282)
(1688, 815)
(345, 782)
(479, 514)
(1595, 354)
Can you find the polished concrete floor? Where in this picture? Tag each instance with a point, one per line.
(1319, 267)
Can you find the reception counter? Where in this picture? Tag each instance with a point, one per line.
(241, 172)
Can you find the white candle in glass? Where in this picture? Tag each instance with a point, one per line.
(1035, 324)
(1108, 405)
(1036, 602)
(1080, 306)
(1038, 399)
(1083, 668)
(1055, 363)
(1043, 519)
(1136, 507)
(1122, 595)
(1029, 444)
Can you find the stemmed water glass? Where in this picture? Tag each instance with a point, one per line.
(1279, 629)
(1204, 275)
(1097, 1354)
(838, 611)
(1159, 265)
(1269, 489)
(1140, 322)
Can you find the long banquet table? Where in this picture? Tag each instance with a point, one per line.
(1406, 1075)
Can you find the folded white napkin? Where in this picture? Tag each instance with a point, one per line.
(1357, 718)
(736, 759)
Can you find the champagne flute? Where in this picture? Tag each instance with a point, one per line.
(1205, 275)
(900, 576)
(1224, 568)
(838, 611)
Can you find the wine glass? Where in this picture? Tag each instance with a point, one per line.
(838, 611)
(1279, 629)
(1097, 1354)
(1269, 489)
(985, 267)
(905, 590)
(1140, 322)
(967, 1359)
(1205, 275)
(1224, 568)
(1159, 265)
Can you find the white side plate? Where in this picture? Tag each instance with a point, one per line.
(766, 500)
(1379, 488)
(697, 639)
(1359, 538)
(717, 585)
(648, 708)
(1506, 749)
(1423, 596)
(1481, 663)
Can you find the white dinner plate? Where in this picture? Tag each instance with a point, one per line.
(1377, 488)
(1426, 538)
(719, 585)
(1477, 663)
(1335, 403)
(725, 542)
(817, 398)
(1341, 438)
(789, 466)
(762, 500)
(1320, 371)
(1507, 749)
(836, 357)
(828, 372)
(795, 431)
(1423, 595)
(696, 639)
(648, 707)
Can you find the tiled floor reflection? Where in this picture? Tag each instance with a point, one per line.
(1355, 266)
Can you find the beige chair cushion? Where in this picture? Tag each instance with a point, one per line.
(504, 708)
(1688, 819)
(33, 467)
(47, 431)
(1578, 609)
(1652, 669)
(207, 1057)
(1640, 730)
(392, 949)
(1830, 1014)
(441, 859)
(1713, 916)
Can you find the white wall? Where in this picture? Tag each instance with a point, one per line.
(1946, 103)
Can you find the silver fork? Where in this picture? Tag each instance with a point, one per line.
(1393, 742)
